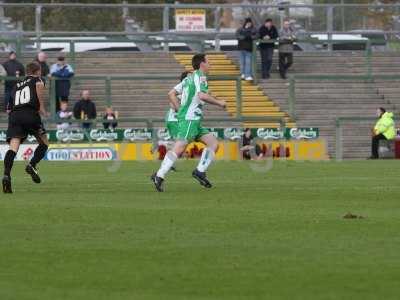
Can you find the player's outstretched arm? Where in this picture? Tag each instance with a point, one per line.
(211, 100)
(40, 90)
(173, 99)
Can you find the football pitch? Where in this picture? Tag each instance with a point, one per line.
(100, 231)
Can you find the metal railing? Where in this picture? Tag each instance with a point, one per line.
(19, 42)
(339, 131)
(366, 43)
(149, 120)
(368, 77)
(201, 46)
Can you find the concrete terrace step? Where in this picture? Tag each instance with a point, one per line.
(141, 98)
(320, 102)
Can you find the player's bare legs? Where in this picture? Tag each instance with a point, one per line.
(168, 163)
(8, 164)
(206, 159)
(38, 155)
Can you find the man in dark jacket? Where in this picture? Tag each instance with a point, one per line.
(245, 35)
(85, 109)
(268, 34)
(41, 59)
(15, 69)
(63, 73)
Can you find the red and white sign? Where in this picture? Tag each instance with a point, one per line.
(25, 151)
(190, 19)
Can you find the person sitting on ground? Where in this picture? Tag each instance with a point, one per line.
(383, 130)
(85, 109)
(109, 115)
(65, 116)
(248, 145)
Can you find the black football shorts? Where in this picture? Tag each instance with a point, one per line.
(22, 123)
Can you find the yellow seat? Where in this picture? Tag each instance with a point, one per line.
(233, 93)
(263, 114)
(247, 103)
(223, 88)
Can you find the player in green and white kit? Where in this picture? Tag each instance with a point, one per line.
(190, 114)
(171, 123)
(171, 118)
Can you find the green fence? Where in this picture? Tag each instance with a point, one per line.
(368, 77)
(328, 42)
(198, 42)
(339, 131)
(149, 120)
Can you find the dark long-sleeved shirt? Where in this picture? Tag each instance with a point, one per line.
(271, 32)
(245, 38)
(110, 117)
(44, 67)
(87, 107)
(12, 66)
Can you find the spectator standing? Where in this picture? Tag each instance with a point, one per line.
(286, 39)
(65, 116)
(245, 35)
(15, 69)
(85, 109)
(109, 115)
(63, 73)
(3, 73)
(383, 130)
(41, 59)
(268, 34)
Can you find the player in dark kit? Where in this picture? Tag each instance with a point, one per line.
(24, 119)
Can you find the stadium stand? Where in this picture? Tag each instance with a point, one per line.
(127, 95)
(320, 102)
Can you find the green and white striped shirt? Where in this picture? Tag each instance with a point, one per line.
(171, 115)
(191, 105)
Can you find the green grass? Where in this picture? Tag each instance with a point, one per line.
(87, 233)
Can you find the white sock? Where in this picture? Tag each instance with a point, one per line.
(166, 165)
(206, 158)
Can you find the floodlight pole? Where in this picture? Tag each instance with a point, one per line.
(38, 27)
(329, 25)
(166, 26)
(217, 27)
